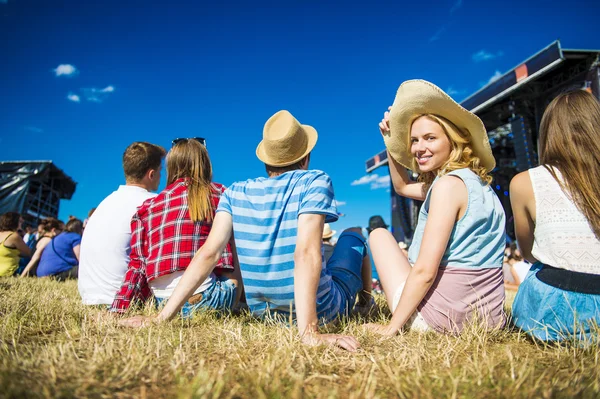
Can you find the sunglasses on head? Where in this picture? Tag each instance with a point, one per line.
(200, 140)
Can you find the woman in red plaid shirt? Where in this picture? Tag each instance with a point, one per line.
(168, 230)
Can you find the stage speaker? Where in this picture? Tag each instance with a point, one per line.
(524, 151)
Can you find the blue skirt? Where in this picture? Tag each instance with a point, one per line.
(552, 314)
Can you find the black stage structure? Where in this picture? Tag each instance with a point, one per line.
(34, 189)
(511, 108)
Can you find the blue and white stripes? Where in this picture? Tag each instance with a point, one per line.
(265, 222)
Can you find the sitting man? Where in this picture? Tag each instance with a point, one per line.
(277, 223)
(105, 245)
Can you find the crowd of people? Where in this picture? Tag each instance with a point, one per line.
(266, 243)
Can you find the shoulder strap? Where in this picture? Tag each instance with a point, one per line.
(59, 255)
(6, 238)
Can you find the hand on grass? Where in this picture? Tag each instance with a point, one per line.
(343, 341)
(137, 321)
(380, 329)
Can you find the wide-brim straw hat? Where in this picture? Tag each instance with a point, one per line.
(327, 232)
(417, 97)
(285, 141)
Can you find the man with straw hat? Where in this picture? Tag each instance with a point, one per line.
(278, 223)
(328, 247)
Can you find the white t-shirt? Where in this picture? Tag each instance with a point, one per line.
(105, 245)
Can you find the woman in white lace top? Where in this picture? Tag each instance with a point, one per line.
(556, 210)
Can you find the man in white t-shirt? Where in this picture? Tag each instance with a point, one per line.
(105, 245)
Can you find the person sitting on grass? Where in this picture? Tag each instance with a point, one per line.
(60, 258)
(557, 224)
(453, 273)
(514, 267)
(278, 223)
(47, 229)
(168, 230)
(105, 245)
(12, 246)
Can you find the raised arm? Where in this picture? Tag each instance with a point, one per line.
(307, 272)
(403, 185)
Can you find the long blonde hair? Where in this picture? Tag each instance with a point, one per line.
(570, 142)
(461, 155)
(189, 159)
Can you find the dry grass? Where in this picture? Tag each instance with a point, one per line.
(52, 346)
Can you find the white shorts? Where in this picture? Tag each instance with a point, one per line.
(416, 322)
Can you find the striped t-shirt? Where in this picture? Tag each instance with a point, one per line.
(265, 223)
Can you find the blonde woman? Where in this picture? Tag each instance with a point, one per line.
(557, 223)
(168, 230)
(454, 268)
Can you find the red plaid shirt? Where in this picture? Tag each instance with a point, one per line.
(164, 240)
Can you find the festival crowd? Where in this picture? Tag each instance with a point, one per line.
(265, 244)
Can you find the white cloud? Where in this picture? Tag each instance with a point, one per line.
(97, 95)
(374, 180)
(437, 34)
(73, 97)
(365, 180)
(339, 203)
(32, 128)
(451, 91)
(497, 75)
(456, 6)
(483, 55)
(66, 70)
(381, 182)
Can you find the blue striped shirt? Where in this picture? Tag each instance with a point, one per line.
(265, 223)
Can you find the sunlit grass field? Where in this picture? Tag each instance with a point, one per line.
(52, 346)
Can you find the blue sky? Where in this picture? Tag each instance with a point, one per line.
(81, 80)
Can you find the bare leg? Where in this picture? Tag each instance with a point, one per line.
(391, 264)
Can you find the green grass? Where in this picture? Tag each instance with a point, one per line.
(52, 346)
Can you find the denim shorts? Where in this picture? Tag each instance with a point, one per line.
(345, 267)
(552, 314)
(219, 296)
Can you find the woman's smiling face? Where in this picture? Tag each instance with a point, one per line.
(429, 145)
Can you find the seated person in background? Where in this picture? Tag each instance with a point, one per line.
(60, 258)
(515, 268)
(169, 229)
(105, 245)
(556, 208)
(12, 246)
(278, 224)
(47, 229)
(328, 247)
(453, 273)
(376, 222)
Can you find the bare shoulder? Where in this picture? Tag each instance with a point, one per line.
(520, 185)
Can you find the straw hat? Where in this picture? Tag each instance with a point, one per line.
(285, 140)
(418, 97)
(327, 232)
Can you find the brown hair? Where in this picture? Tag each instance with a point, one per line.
(277, 170)
(50, 223)
(74, 226)
(461, 155)
(189, 159)
(9, 221)
(140, 157)
(570, 142)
